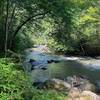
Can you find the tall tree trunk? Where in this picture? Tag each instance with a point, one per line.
(6, 26)
(10, 27)
(12, 17)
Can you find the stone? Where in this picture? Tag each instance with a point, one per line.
(92, 95)
(53, 61)
(49, 61)
(44, 68)
(75, 94)
(81, 83)
(59, 84)
(36, 65)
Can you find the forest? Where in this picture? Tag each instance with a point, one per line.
(67, 28)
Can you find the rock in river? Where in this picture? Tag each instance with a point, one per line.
(71, 82)
(52, 61)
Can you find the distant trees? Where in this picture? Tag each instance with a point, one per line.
(86, 25)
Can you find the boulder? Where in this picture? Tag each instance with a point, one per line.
(49, 61)
(92, 95)
(80, 83)
(44, 68)
(75, 94)
(53, 61)
(58, 84)
(36, 65)
(71, 82)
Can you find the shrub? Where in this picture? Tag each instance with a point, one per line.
(13, 82)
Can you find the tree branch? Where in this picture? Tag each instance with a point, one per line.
(41, 15)
(24, 22)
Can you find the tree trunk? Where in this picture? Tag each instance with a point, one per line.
(6, 27)
(11, 24)
(12, 16)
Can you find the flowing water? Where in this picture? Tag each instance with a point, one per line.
(68, 66)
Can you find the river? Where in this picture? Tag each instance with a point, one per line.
(67, 66)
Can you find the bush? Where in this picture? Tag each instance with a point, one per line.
(22, 42)
(13, 82)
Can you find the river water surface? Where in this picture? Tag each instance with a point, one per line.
(67, 66)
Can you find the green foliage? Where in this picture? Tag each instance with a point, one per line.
(75, 33)
(13, 82)
(48, 95)
(22, 42)
(68, 22)
(19, 14)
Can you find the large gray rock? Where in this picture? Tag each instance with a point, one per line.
(60, 84)
(80, 83)
(71, 82)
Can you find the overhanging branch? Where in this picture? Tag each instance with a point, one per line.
(27, 20)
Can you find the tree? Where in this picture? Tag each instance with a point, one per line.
(18, 13)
